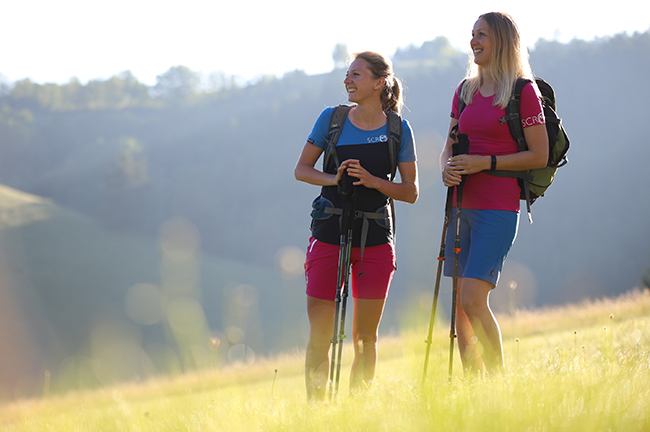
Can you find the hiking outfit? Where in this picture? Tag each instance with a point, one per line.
(373, 255)
(490, 216)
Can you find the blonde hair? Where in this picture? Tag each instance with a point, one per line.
(382, 67)
(509, 60)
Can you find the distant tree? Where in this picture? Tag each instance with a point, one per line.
(134, 90)
(340, 55)
(23, 89)
(72, 95)
(437, 52)
(120, 91)
(178, 83)
(34, 96)
(219, 81)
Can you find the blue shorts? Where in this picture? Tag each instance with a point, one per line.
(486, 237)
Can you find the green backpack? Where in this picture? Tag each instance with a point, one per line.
(535, 182)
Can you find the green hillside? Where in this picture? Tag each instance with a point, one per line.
(66, 280)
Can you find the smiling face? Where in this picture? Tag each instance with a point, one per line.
(360, 82)
(481, 43)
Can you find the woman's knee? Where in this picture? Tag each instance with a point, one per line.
(473, 307)
(474, 297)
(366, 339)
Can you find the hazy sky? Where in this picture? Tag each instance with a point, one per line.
(52, 41)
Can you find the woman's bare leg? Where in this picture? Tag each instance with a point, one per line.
(474, 298)
(321, 326)
(365, 325)
(470, 352)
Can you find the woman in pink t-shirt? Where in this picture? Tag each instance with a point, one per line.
(490, 205)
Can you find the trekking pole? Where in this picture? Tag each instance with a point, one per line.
(345, 188)
(436, 290)
(344, 296)
(461, 146)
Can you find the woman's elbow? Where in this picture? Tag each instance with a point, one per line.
(541, 160)
(537, 159)
(413, 196)
(297, 173)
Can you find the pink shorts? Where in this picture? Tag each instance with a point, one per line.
(369, 279)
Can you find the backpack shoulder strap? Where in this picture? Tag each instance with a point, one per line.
(513, 117)
(461, 107)
(337, 120)
(461, 101)
(394, 121)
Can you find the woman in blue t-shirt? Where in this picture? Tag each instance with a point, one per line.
(362, 149)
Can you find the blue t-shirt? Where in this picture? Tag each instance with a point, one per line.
(352, 135)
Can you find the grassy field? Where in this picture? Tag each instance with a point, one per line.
(582, 367)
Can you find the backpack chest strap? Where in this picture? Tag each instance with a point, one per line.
(380, 216)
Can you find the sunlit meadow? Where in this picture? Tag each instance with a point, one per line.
(580, 367)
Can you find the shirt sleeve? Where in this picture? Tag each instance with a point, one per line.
(454, 104)
(407, 146)
(318, 135)
(531, 106)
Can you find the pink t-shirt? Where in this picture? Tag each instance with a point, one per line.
(488, 136)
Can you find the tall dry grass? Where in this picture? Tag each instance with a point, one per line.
(580, 367)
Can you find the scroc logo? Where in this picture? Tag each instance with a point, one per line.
(534, 120)
(380, 138)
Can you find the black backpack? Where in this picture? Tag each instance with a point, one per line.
(394, 120)
(535, 182)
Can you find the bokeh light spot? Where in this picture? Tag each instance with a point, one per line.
(143, 304)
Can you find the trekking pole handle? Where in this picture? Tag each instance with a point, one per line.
(346, 184)
(461, 146)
